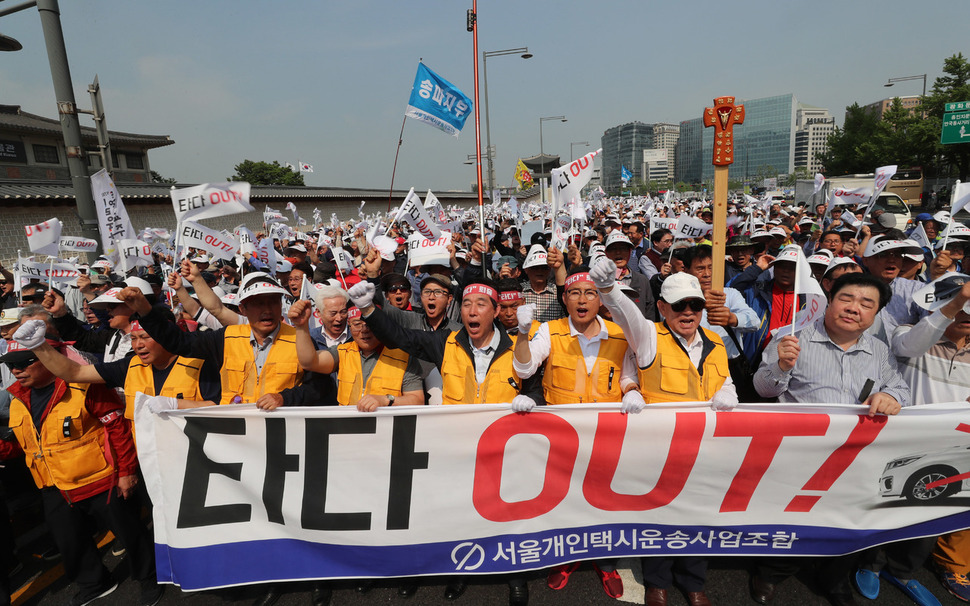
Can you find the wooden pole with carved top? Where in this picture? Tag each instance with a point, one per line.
(723, 116)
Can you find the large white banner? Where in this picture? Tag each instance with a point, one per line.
(422, 251)
(567, 182)
(211, 200)
(216, 242)
(244, 496)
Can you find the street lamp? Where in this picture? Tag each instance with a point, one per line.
(50, 21)
(571, 158)
(525, 54)
(905, 78)
(542, 153)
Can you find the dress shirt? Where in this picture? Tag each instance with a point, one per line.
(825, 373)
(483, 357)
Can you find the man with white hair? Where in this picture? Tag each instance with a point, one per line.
(332, 302)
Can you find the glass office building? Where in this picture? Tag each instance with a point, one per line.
(765, 143)
(623, 146)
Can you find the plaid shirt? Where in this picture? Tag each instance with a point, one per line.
(548, 306)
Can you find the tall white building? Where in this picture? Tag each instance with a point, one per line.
(665, 136)
(813, 125)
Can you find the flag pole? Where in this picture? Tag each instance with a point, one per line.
(949, 224)
(400, 140)
(473, 23)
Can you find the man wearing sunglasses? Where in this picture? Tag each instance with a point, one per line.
(695, 368)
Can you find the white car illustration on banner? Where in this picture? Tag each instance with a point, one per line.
(927, 477)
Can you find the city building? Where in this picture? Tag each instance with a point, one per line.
(623, 146)
(665, 136)
(764, 143)
(688, 152)
(655, 165)
(910, 103)
(813, 125)
(32, 148)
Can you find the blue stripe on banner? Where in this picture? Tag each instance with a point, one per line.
(292, 559)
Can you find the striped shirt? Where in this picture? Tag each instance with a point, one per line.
(933, 366)
(827, 374)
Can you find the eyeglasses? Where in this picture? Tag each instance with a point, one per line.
(21, 365)
(399, 288)
(573, 295)
(694, 304)
(434, 292)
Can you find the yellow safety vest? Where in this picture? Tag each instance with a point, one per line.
(673, 378)
(564, 381)
(385, 379)
(458, 384)
(182, 382)
(280, 371)
(66, 462)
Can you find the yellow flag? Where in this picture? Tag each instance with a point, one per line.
(522, 175)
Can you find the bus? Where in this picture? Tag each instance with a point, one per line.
(907, 183)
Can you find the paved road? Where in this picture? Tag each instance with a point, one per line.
(727, 586)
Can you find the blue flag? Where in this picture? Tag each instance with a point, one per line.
(625, 175)
(437, 102)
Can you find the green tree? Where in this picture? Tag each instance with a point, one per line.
(264, 173)
(799, 173)
(952, 86)
(158, 178)
(852, 148)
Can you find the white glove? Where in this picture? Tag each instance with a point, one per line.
(603, 273)
(633, 401)
(156, 404)
(522, 403)
(362, 294)
(31, 333)
(724, 401)
(524, 315)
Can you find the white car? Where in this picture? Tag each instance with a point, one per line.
(909, 476)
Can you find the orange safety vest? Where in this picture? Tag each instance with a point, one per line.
(182, 382)
(564, 381)
(66, 462)
(673, 378)
(239, 377)
(458, 384)
(385, 379)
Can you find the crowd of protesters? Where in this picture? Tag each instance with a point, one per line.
(619, 312)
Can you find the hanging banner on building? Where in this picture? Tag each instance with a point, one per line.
(211, 200)
(242, 496)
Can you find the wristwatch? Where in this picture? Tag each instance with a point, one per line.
(390, 400)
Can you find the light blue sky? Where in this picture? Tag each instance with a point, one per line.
(327, 82)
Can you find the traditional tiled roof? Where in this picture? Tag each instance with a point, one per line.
(13, 119)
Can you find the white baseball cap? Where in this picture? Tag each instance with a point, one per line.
(883, 244)
(537, 257)
(837, 262)
(617, 237)
(140, 284)
(258, 283)
(680, 286)
(108, 299)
